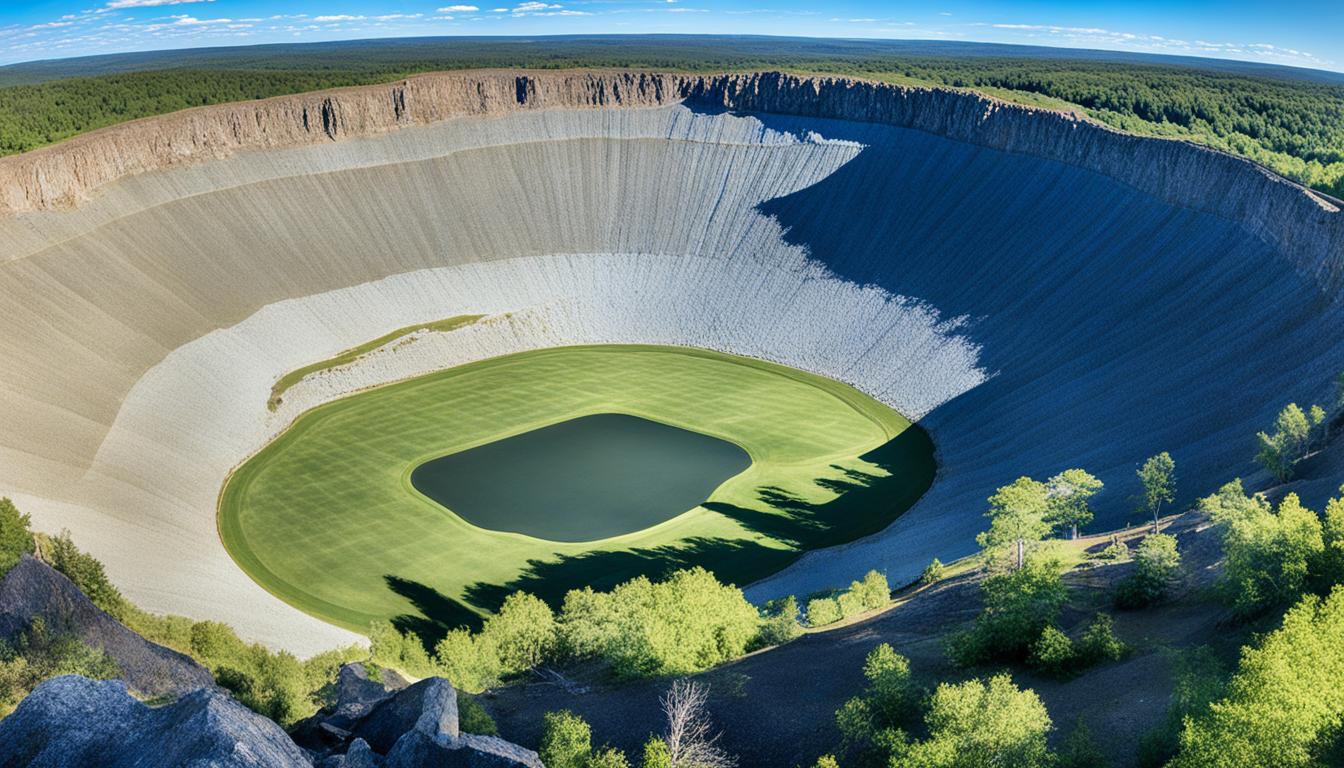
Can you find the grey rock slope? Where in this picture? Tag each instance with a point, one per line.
(34, 589)
(74, 722)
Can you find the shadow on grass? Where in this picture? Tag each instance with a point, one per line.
(865, 503)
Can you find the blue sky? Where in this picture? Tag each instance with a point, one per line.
(1296, 32)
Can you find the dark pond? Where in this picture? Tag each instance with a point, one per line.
(588, 478)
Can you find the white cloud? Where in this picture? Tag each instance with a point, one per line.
(119, 4)
(395, 16)
(458, 9)
(530, 7)
(191, 21)
(340, 17)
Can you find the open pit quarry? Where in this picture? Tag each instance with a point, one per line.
(1037, 291)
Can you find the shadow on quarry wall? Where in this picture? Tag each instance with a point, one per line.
(864, 503)
(1114, 326)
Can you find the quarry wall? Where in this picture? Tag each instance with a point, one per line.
(1305, 227)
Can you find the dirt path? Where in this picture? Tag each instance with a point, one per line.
(776, 708)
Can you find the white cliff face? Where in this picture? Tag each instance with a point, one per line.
(1041, 308)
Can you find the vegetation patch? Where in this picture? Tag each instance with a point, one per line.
(326, 517)
(355, 353)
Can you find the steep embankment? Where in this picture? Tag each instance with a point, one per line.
(1041, 292)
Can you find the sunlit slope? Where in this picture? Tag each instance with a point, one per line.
(1032, 314)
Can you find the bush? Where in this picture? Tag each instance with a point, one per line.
(38, 654)
(872, 722)
(1053, 652)
(607, 757)
(779, 622)
(1113, 552)
(1018, 606)
(822, 611)
(1285, 704)
(522, 632)
(850, 604)
(16, 539)
(1157, 565)
(873, 592)
(656, 754)
(87, 574)
(981, 723)
(566, 740)
(1099, 643)
(472, 717)
(1268, 553)
(1079, 750)
(686, 624)
(469, 662)
(933, 572)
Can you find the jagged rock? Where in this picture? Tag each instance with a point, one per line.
(358, 756)
(417, 749)
(74, 722)
(356, 694)
(32, 588)
(428, 707)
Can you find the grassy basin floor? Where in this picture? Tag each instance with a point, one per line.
(326, 518)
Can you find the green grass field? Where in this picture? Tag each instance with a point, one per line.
(325, 516)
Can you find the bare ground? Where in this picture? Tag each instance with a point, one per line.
(776, 707)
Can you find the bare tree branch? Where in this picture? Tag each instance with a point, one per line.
(691, 740)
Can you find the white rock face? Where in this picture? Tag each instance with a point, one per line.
(1033, 315)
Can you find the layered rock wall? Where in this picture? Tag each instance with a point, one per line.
(1306, 228)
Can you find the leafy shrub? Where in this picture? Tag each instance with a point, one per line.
(472, 717)
(1284, 705)
(1018, 606)
(607, 757)
(822, 611)
(470, 662)
(872, 722)
(16, 539)
(850, 603)
(38, 654)
(1099, 643)
(522, 632)
(688, 623)
(873, 592)
(1157, 565)
(779, 622)
(933, 572)
(1079, 750)
(566, 740)
(1113, 552)
(982, 723)
(656, 754)
(1268, 552)
(1053, 652)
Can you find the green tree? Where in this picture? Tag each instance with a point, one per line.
(1017, 518)
(566, 740)
(979, 724)
(1099, 643)
(1157, 566)
(1284, 704)
(523, 632)
(1053, 652)
(933, 572)
(1330, 570)
(1018, 606)
(87, 574)
(607, 757)
(1070, 493)
(656, 754)
(1158, 475)
(16, 540)
(1288, 443)
(1268, 553)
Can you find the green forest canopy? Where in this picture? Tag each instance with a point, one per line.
(1291, 123)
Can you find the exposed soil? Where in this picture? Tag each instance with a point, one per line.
(776, 707)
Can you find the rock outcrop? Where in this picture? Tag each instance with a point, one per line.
(34, 589)
(1305, 226)
(407, 727)
(74, 722)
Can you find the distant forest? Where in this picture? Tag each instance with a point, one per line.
(1291, 121)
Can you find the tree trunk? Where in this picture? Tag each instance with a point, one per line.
(1021, 546)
